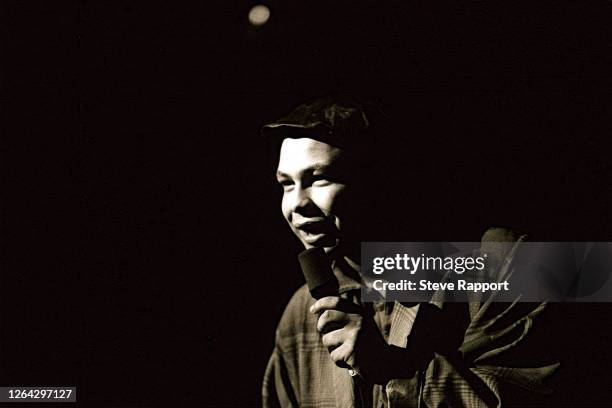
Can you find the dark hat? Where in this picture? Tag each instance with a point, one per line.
(345, 122)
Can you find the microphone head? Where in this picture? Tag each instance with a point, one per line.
(320, 278)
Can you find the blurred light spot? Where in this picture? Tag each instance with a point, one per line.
(259, 15)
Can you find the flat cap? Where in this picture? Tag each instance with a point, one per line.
(344, 122)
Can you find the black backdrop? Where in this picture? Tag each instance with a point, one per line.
(144, 255)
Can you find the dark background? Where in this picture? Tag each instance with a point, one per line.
(144, 256)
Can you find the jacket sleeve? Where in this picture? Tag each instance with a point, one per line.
(281, 379)
(277, 390)
(487, 367)
(490, 362)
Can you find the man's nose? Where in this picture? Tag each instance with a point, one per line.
(302, 201)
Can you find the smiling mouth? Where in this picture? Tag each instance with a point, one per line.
(313, 227)
(313, 232)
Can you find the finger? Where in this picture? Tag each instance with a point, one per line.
(335, 303)
(342, 355)
(328, 302)
(333, 340)
(331, 320)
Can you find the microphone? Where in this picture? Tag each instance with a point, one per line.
(316, 267)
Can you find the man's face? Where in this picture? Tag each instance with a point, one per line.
(312, 174)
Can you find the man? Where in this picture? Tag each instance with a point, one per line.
(337, 352)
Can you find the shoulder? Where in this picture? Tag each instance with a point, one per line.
(502, 234)
(498, 242)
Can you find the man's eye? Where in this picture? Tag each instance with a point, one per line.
(285, 183)
(320, 180)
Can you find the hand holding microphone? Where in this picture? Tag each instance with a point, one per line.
(351, 337)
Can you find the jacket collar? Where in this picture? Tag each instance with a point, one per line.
(347, 273)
